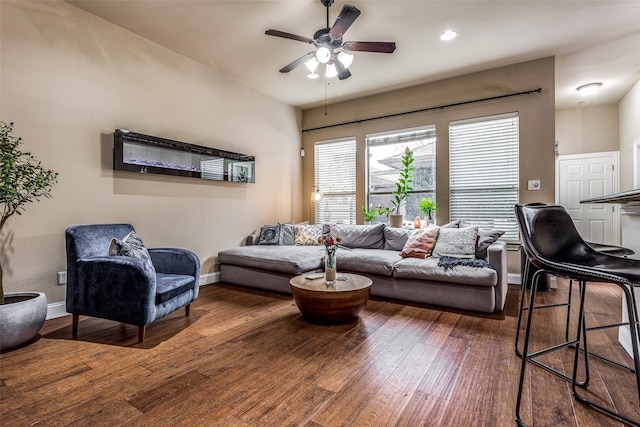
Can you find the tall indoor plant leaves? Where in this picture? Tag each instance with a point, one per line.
(23, 180)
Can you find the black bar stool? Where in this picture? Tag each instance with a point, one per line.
(554, 246)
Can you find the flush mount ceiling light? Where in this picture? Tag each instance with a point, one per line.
(589, 89)
(448, 35)
(330, 49)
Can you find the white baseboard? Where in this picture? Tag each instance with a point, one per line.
(624, 337)
(209, 278)
(56, 309)
(59, 309)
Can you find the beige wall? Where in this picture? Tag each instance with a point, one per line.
(629, 135)
(587, 129)
(537, 128)
(68, 79)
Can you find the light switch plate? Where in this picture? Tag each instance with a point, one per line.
(533, 184)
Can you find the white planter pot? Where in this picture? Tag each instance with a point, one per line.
(21, 321)
(396, 220)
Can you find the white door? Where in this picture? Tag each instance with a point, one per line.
(585, 176)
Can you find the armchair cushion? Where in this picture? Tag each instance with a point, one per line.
(171, 285)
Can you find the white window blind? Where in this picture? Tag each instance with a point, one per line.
(483, 171)
(335, 176)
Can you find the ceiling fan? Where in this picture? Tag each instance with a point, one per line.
(330, 49)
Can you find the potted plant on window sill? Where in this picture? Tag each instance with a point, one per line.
(403, 187)
(24, 180)
(369, 215)
(428, 207)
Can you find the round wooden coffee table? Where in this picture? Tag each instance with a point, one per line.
(322, 303)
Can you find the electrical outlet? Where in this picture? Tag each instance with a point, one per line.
(533, 184)
(62, 277)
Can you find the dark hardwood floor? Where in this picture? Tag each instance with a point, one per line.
(247, 358)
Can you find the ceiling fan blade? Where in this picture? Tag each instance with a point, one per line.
(348, 14)
(343, 73)
(378, 47)
(297, 62)
(290, 36)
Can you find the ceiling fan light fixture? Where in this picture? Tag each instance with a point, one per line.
(589, 89)
(312, 64)
(313, 75)
(323, 54)
(346, 59)
(331, 71)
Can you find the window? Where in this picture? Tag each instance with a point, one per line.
(483, 172)
(335, 176)
(384, 154)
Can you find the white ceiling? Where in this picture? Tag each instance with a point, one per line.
(592, 41)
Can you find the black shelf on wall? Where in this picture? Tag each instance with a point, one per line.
(136, 152)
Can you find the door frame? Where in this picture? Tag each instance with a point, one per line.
(615, 184)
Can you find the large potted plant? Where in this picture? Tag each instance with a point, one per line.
(403, 187)
(24, 180)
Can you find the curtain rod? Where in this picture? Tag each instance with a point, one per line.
(422, 110)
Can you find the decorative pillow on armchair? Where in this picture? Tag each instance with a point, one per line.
(131, 246)
(456, 242)
(420, 244)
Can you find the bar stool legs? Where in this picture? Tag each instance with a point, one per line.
(580, 345)
(634, 329)
(526, 356)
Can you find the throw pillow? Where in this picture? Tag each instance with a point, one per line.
(271, 235)
(396, 238)
(486, 236)
(420, 244)
(288, 234)
(360, 236)
(456, 242)
(453, 224)
(131, 246)
(307, 235)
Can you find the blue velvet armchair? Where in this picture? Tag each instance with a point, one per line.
(123, 288)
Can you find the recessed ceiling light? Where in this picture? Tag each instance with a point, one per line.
(589, 89)
(448, 35)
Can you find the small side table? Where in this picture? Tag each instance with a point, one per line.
(322, 303)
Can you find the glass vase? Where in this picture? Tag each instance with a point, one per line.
(330, 271)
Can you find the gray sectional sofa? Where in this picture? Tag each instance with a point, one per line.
(375, 253)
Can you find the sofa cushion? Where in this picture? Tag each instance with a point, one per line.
(373, 261)
(282, 259)
(395, 238)
(360, 236)
(288, 234)
(486, 236)
(271, 235)
(307, 235)
(456, 242)
(421, 242)
(427, 269)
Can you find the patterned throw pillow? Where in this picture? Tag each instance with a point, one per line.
(131, 246)
(271, 235)
(421, 242)
(307, 235)
(456, 242)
